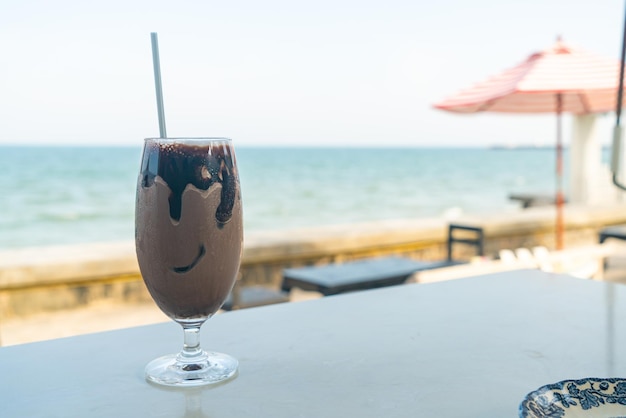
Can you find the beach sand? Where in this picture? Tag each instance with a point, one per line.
(95, 317)
(108, 315)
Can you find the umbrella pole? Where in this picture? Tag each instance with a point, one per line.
(559, 174)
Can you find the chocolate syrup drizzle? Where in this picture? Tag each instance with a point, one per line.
(179, 164)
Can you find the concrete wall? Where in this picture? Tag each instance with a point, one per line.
(49, 278)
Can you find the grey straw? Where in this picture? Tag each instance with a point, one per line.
(157, 83)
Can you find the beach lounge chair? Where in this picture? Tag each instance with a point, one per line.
(507, 256)
(615, 231)
(336, 278)
(542, 256)
(524, 254)
(582, 262)
(243, 297)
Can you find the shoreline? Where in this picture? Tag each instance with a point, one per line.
(450, 215)
(36, 282)
(100, 316)
(281, 189)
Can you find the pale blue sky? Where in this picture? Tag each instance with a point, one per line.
(344, 72)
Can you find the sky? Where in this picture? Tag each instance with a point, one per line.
(279, 72)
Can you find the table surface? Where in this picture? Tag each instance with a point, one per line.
(472, 347)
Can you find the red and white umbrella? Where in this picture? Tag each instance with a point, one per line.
(559, 79)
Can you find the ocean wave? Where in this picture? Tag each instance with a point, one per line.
(88, 193)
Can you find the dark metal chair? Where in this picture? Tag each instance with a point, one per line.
(475, 239)
(615, 231)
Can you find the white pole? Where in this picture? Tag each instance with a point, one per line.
(585, 157)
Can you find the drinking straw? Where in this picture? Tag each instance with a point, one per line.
(157, 83)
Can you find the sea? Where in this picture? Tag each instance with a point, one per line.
(52, 195)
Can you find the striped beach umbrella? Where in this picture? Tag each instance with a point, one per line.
(559, 79)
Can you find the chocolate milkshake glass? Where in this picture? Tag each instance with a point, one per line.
(188, 236)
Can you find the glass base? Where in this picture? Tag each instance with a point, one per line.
(171, 371)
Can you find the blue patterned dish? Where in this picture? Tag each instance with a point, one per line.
(591, 397)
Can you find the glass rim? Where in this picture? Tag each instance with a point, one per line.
(188, 139)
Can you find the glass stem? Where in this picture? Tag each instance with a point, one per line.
(191, 352)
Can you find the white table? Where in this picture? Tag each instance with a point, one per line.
(465, 348)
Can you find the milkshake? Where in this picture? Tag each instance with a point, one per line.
(188, 224)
